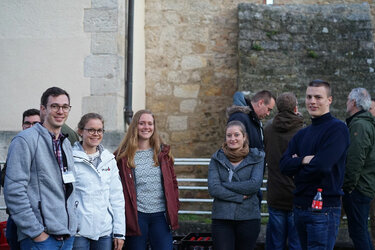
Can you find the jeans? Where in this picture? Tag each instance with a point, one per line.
(235, 235)
(317, 230)
(281, 231)
(357, 207)
(49, 244)
(155, 229)
(83, 243)
(11, 234)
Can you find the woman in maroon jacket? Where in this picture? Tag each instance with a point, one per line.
(149, 184)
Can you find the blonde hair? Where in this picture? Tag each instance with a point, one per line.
(129, 145)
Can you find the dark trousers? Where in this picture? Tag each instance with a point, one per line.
(357, 207)
(154, 229)
(235, 235)
(11, 234)
(317, 230)
(281, 231)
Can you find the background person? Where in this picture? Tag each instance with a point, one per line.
(250, 112)
(29, 118)
(281, 231)
(372, 206)
(101, 206)
(359, 181)
(149, 184)
(235, 175)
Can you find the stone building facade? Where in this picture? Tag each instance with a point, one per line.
(79, 46)
(192, 62)
(186, 74)
(191, 70)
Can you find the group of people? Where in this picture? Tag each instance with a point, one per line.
(329, 161)
(63, 192)
(68, 192)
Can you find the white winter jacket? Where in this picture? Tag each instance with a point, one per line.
(101, 205)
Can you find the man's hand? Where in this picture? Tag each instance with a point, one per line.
(118, 243)
(306, 160)
(42, 237)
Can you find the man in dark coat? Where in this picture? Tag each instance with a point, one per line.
(250, 112)
(277, 133)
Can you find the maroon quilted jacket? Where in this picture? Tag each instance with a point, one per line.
(130, 195)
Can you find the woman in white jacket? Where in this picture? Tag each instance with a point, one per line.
(100, 200)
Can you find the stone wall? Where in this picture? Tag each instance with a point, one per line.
(192, 62)
(191, 70)
(105, 21)
(283, 47)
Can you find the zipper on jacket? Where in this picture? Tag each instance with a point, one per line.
(84, 160)
(41, 213)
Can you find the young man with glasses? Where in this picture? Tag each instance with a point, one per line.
(315, 157)
(29, 118)
(39, 181)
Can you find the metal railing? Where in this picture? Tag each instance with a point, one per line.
(199, 162)
(189, 162)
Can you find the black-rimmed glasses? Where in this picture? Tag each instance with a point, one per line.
(92, 131)
(56, 107)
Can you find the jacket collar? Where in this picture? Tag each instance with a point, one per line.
(348, 120)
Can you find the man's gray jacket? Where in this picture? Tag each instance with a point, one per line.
(34, 190)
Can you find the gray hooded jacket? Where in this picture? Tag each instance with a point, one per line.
(33, 190)
(228, 185)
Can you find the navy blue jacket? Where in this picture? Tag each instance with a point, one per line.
(248, 117)
(327, 138)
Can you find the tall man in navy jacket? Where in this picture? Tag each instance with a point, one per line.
(316, 158)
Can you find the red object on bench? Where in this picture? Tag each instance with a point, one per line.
(3, 240)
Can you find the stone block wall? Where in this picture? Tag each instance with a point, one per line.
(191, 70)
(192, 62)
(283, 47)
(105, 65)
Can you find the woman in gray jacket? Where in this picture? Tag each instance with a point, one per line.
(234, 177)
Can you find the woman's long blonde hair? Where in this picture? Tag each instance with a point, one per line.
(129, 144)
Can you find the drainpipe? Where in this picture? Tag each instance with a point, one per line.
(128, 112)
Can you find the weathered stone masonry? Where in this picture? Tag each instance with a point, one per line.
(282, 48)
(196, 57)
(191, 70)
(105, 66)
(105, 21)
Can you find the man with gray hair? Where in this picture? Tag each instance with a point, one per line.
(359, 180)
